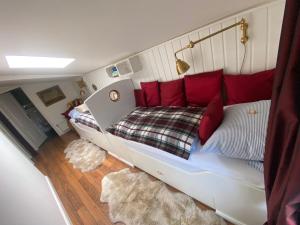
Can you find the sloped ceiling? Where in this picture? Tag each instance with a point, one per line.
(98, 32)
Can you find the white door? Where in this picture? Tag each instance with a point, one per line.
(26, 195)
(17, 116)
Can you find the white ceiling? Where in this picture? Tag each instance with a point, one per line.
(98, 32)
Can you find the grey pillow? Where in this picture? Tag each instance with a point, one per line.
(243, 131)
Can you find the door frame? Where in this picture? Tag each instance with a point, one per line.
(17, 135)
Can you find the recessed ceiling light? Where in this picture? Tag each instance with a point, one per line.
(37, 62)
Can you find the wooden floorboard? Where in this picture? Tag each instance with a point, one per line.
(79, 192)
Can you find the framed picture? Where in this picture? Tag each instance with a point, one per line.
(51, 95)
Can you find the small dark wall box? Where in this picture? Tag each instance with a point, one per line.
(51, 95)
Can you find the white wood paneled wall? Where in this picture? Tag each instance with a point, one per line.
(221, 51)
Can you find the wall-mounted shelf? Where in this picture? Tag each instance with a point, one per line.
(124, 67)
(112, 71)
(128, 66)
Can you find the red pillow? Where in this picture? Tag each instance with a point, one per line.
(201, 88)
(249, 88)
(211, 119)
(66, 113)
(151, 90)
(140, 100)
(172, 93)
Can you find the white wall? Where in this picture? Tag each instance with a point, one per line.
(25, 197)
(7, 88)
(13, 139)
(14, 112)
(53, 112)
(222, 51)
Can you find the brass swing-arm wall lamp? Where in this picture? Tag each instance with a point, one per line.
(182, 66)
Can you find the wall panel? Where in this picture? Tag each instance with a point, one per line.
(222, 51)
(197, 54)
(259, 45)
(207, 54)
(171, 61)
(275, 16)
(230, 47)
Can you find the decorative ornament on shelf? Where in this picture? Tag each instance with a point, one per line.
(82, 85)
(115, 72)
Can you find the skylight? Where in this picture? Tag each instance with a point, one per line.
(37, 62)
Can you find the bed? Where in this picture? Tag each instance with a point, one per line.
(92, 132)
(230, 186)
(211, 162)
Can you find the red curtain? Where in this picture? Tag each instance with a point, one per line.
(282, 156)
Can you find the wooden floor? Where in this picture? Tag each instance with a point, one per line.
(79, 192)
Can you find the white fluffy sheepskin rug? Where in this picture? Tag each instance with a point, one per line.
(84, 155)
(135, 199)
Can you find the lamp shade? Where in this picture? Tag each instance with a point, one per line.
(181, 66)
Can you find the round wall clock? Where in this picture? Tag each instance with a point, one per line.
(114, 95)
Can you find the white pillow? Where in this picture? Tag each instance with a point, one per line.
(242, 133)
(74, 114)
(82, 108)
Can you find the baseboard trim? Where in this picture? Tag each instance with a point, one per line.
(58, 202)
(119, 158)
(229, 218)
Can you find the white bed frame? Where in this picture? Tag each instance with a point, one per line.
(234, 200)
(97, 138)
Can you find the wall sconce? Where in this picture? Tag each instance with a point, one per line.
(182, 66)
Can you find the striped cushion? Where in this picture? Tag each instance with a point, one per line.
(87, 119)
(257, 165)
(242, 133)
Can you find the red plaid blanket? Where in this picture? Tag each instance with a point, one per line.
(171, 129)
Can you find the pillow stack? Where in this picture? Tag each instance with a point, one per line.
(152, 94)
(249, 88)
(205, 90)
(201, 88)
(242, 134)
(211, 120)
(172, 93)
(140, 98)
(194, 90)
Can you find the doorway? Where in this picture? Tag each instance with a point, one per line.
(33, 113)
(12, 131)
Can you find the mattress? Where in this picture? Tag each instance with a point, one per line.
(85, 118)
(220, 165)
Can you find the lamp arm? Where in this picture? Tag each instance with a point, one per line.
(186, 47)
(244, 38)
